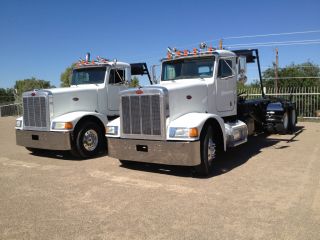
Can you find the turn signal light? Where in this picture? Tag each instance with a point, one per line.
(68, 125)
(193, 132)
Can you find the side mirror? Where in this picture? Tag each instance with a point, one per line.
(242, 69)
(154, 73)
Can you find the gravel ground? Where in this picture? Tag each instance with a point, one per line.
(268, 188)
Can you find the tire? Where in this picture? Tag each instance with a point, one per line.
(89, 140)
(285, 122)
(292, 120)
(208, 151)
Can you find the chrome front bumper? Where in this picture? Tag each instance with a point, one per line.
(162, 152)
(44, 140)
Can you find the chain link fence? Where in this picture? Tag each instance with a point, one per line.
(307, 99)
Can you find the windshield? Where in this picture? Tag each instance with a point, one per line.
(92, 75)
(187, 68)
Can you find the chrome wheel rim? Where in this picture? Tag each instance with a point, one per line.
(211, 151)
(90, 140)
(285, 121)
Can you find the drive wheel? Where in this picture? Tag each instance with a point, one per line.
(208, 152)
(285, 122)
(89, 140)
(292, 120)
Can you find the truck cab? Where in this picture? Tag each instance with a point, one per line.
(75, 118)
(190, 115)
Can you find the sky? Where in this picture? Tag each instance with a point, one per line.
(41, 38)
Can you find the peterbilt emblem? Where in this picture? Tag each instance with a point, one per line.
(139, 91)
(33, 94)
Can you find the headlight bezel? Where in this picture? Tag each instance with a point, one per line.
(112, 130)
(183, 132)
(62, 125)
(18, 123)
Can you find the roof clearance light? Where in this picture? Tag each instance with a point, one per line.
(195, 51)
(169, 56)
(178, 53)
(185, 52)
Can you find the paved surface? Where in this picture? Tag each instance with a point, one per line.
(265, 189)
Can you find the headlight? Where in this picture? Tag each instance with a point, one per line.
(112, 130)
(18, 123)
(62, 125)
(183, 132)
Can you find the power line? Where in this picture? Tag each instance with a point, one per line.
(271, 44)
(281, 42)
(272, 78)
(256, 36)
(256, 44)
(272, 34)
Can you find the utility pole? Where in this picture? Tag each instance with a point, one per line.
(220, 44)
(276, 65)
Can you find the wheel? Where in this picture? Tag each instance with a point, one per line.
(292, 120)
(208, 151)
(89, 140)
(285, 122)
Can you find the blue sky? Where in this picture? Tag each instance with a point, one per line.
(42, 38)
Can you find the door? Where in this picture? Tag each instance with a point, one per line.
(226, 85)
(118, 79)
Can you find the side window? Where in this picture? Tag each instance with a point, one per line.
(170, 72)
(225, 68)
(117, 76)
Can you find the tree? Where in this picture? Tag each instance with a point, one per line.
(294, 75)
(29, 84)
(66, 76)
(134, 82)
(6, 96)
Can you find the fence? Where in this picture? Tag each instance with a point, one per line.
(14, 109)
(307, 99)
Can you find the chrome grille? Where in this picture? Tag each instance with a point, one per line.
(141, 115)
(35, 111)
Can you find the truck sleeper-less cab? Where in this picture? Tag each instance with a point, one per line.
(75, 118)
(193, 112)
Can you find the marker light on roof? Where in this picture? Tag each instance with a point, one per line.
(195, 51)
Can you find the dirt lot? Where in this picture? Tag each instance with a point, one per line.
(266, 189)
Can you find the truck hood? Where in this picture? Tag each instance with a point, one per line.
(75, 98)
(186, 96)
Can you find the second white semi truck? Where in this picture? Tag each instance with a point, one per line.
(194, 112)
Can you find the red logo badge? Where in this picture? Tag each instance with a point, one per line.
(139, 91)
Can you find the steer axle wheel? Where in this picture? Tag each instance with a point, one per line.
(208, 146)
(88, 140)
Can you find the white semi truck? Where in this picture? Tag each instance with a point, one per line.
(194, 112)
(75, 118)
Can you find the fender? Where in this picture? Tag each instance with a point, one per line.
(75, 117)
(192, 120)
